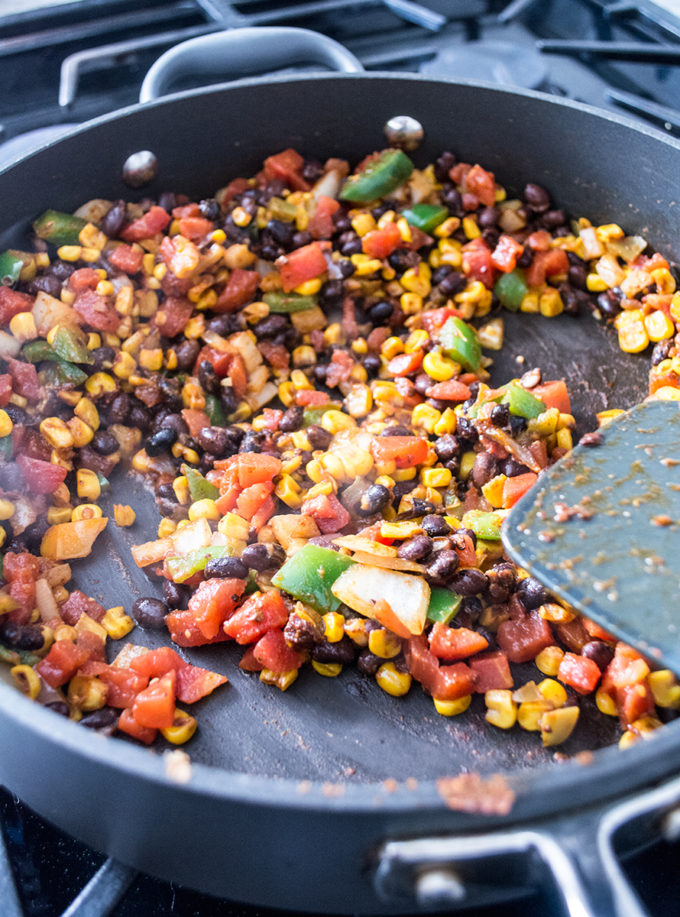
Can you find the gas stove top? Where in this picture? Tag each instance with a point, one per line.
(64, 63)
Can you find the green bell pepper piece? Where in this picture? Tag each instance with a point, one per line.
(8, 656)
(381, 176)
(38, 351)
(104, 482)
(460, 342)
(280, 209)
(11, 266)
(309, 574)
(6, 447)
(61, 372)
(58, 228)
(484, 525)
(314, 415)
(521, 402)
(213, 408)
(70, 344)
(289, 302)
(199, 488)
(181, 568)
(444, 604)
(426, 216)
(511, 289)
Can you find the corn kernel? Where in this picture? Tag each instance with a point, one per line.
(595, 283)
(633, 337)
(400, 530)
(234, 526)
(550, 302)
(383, 643)
(59, 514)
(553, 692)
(417, 279)
(288, 490)
(355, 628)
(436, 477)
(658, 326)
(411, 303)
(439, 367)
(470, 228)
(530, 302)
(116, 623)
(26, 679)
(564, 439)
(69, 252)
(452, 707)
(56, 433)
(391, 347)
(6, 424)
(530, 712)
(151, 359)
(365, 266)
(327, 669)
(334, 626)
(87, 484)
(501, 708)
(392, 681)
(23, 327)
(283, 680)
(403, 474)
(166, 527)
(447, 228)
(447, 423)
(309, 287)
(416, 341)
(322, 489)
(123, 515)
(424, 417)
(363, 223)
(665, 688)
(300, 440)
(548, 660)
(334, 421)
(86, 693)
(183, 727)
(557, 725)
(86, 511)
(333, 465)
(359, 400)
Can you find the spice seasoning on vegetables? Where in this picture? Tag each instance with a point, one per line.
(297, 367)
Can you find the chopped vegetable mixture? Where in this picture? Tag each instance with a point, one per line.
(299, 368)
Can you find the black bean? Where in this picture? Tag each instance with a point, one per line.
(373, 500)
(103, 720)
(282, 233)
(453, 199)
(536, 197)
(342, 651)
(447, 447)
(485, 468)
(435, 526)
(453, 283)
(349, 243)
(443, 165)
(213, 440)
(402, 259)
(34, 534)
(500, 415)
(209, 208)
(487, 217)
(491, 235)
(257, 557)
(600, 652)
(174, 422)
(62, 708)
(253, 441)
(228, 398)
(381, 312)
(292, 419)
(609, 304)
(140, 417)
(227, 568)
(47, 283)
(114, 219)
(469, 612)
(470, 581)
(442, 567)
(150, 612)
(225, 324)
(551, 219)
(532, 593)
(208, 378)
(661, 351)
(187, 351)
(271, 326)
(318, 437)
(517, 424)
(160, 442)
(368, 662)
(401, 488)
(371, 364)
(331, 293)
(176, 595)
(166, 491)
(104, 443)
(415, 548)
(167, 200)
(466, 430)
(396, 430)
(62, 270)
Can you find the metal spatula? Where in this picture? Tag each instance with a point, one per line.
(601, 529)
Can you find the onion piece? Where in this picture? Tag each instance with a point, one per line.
(93, 211)
(368, 589)
(361, 543)
(328, 185)
(69, 540)
(45, 601)
(388, 563)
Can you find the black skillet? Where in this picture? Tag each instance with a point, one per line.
(303, 799)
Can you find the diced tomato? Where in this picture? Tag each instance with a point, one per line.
(272, 651)
(516, 487)
(302, 264)
(633, 702)
(275, 354)
(271, 418)
(78, 604)
(195, 228)
(380, 243)
(596, 632)
(5, 389)
(236, 186)
(572, 634)
(22, 591)
(260, 612)
(554, 395)
(213, 602)
(186, 210)
(328, 513)
(155, 663)
(405, 363)
(421, 661)
(257, 468)
(454, 681)
(404, 451)
(476, 262)
(93, 644)
(492, 672)
(523, 639)
(229, 490)
(154, 707)
(173, 315)
(124, 684)
(383, 612)
(24, 379)
(180, 255)
(452, 390)
(626, 668)
(539, 241)
(446, 682)
(12, 303)
(308, 397)
(454, 643)
(579, 672)
(193, 683)
(434, 319)
(263, 514)
(61, 663)
(251, 499)
(129, 725)
(547, 264)
(97, 311)
(506, 253)
(248, 661)
(482, 184)
(195, 420)
(40, 477)
(153, 221)
(240, 289)
(339, 369)
(20, 565)
(286, 165)
(85, 278)
(127, 259)
(321, 225)
(184, 631)
(218, 359)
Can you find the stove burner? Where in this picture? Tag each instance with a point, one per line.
(490, 61)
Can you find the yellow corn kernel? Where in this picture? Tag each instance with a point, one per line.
(170, 360)
(392, 681)
(664, 280)
(355, 628)
(645, 725)
(90, 255)
(300, 440)
(391, 347)
(193, 396)
(383, 643)
(363, 223)
(6, 425)
(309, 287)
(447, 228)
(100, 384)
(327, 669)
(530, 712)
(439, 367)
(557, 725)
(166, 527)
(416, 340)
(470, 228)
(595, 283)
(324, 488)
(400, 530)
(404, 474)
(81, 432)
(22, 327)
(564, 439)
(86, 511)
(67, 296)
(59, 514)
(665, 688)
(417, 279)
(151, 359)
(333, 465)
(633, 337)
(365, 266)
(424, 417)
(190, 456)
(335, 421)
(658, 326)
(86, 693)
(501, 708)
(300, 381)
(447, 423)
(56, 433)
(26, 679)
(359, 400)
(124, 365)
(283, 680)
(104, 288)
(315, 471)
(195, 327)
(627, 739)
(91, 236)
(183, 727)
(241, 217)
(436, 477)
(529, 302)
(123, 515)
(334, 626)
(550, 302)
(548, 660)
(286, 392)
(553, 692)
(65, 632)
(404, 228)
(69, 252)
(605, 703)
(304, 355)
(86, 411)
(288, 490)
(87, 484)
(234, 526)
(452, 707)
(411, 303)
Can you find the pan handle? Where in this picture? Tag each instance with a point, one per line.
(236, 53)
(579, 853)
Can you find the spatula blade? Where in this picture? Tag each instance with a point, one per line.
(601, 529)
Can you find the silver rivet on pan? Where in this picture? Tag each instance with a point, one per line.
(140, 169)
(405, 132)
(438, 887)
